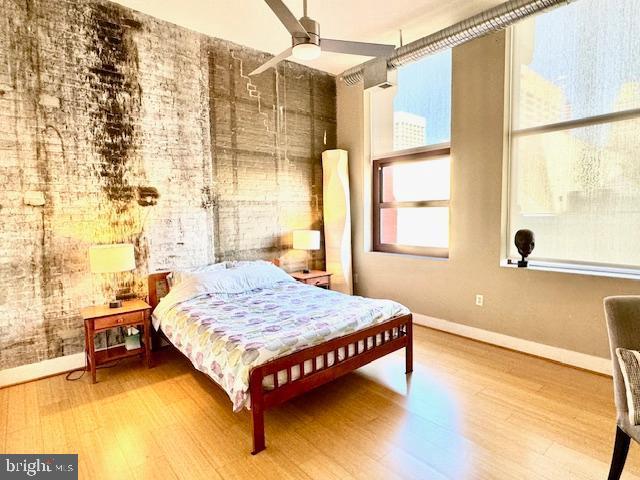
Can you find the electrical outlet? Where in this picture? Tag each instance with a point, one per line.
(479, 300)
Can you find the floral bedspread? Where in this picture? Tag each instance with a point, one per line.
(226, 335)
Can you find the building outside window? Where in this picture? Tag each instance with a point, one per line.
(410, 132)
(574, 174)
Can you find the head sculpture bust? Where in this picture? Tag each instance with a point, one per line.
(525, 242)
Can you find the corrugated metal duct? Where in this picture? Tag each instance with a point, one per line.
(486, 22)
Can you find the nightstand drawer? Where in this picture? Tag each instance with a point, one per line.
(119, 320)
(317, 281)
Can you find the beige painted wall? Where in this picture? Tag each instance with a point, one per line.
(558, 309)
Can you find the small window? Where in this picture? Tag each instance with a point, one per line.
(410, 147)
(411, 203)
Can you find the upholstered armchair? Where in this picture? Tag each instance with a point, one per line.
(623, 325)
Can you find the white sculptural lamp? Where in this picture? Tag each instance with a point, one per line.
(337, 219)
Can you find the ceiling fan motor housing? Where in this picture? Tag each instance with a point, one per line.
(313, 30)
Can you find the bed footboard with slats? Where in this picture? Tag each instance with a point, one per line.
(299, 372)
(281, 379)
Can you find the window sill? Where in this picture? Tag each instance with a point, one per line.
(406, 255)
(576, 269)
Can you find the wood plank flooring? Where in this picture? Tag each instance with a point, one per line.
(469, 411)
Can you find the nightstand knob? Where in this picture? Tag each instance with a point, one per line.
(120, 320)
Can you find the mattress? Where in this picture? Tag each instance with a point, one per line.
(226, 335)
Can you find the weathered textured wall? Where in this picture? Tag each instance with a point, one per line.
(99, 106)
(268, 134)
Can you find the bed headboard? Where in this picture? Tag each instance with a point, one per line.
(159, 285)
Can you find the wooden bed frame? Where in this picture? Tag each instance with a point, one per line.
(263, 399)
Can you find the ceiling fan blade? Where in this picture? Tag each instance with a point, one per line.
(356, 48)
(273, 62)
(287, 18)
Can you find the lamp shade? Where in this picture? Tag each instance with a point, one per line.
(112, 258)
(306, 240)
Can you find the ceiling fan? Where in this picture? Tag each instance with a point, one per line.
(306, 43)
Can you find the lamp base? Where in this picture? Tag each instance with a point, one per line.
(115, 303)
(305, 270)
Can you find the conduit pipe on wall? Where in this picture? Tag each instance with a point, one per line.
(489, 21)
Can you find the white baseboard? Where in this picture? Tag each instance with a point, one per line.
(46, 368)
(54, 366)
(561, 355)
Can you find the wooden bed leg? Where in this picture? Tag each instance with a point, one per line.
(257, 412)
(155, 339)
(409, 347)
(257, 423)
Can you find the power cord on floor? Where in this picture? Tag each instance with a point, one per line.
(83, 370)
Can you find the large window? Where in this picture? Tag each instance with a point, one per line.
(575, 138)
(410, 135)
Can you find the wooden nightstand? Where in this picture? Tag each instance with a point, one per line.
(319, 278)
(100, 318)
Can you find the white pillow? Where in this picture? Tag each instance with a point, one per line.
(244, 263)
(244, 278)
(220, 281)
(178, 276)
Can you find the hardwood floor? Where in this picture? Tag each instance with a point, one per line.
(469, 411)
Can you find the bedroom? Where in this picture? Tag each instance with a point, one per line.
(144, 161)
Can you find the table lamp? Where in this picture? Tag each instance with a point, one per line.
(306, 240)
(112, 258)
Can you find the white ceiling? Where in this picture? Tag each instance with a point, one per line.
(251, 22)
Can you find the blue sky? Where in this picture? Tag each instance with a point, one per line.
(425, 89)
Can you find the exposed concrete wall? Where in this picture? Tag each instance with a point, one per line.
(557, 309)
(268, 134)
(100, 108)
